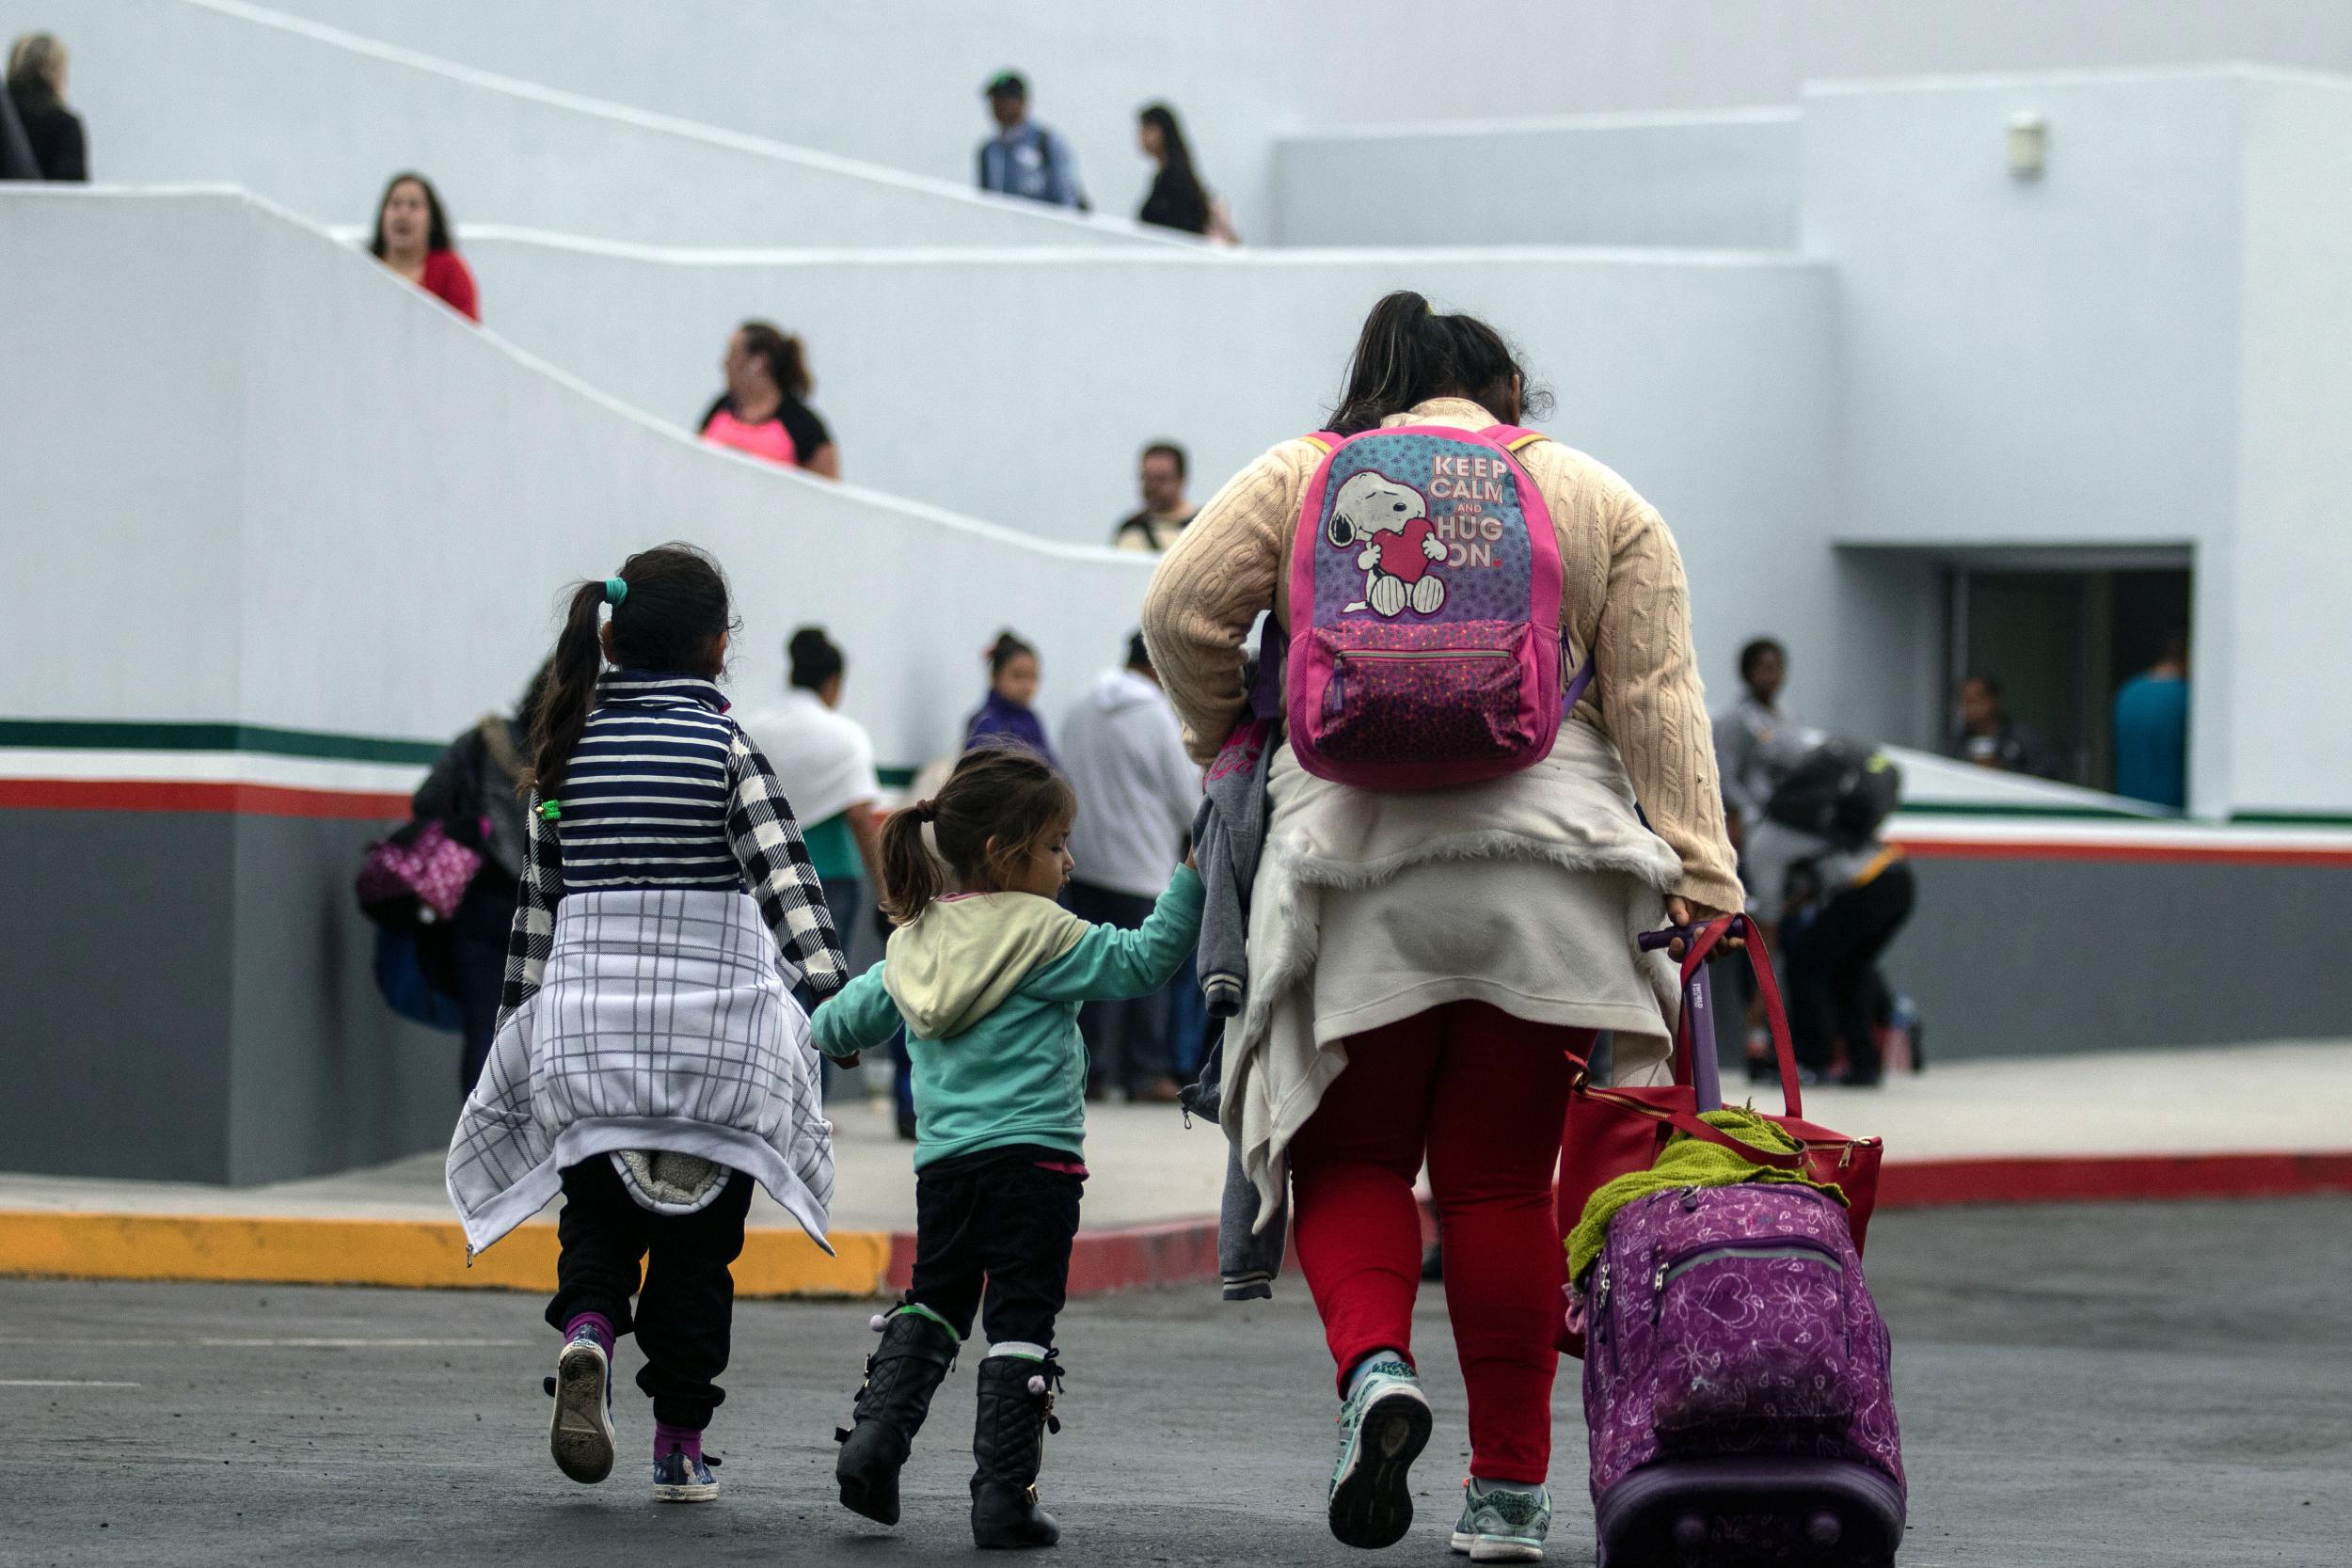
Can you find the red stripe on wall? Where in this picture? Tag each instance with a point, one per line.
(2172, 854)
(238, 800)
(2111, 1178)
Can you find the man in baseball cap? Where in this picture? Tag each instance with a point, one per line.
(1024, 158)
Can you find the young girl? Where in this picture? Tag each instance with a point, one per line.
(1006, 713)
(649, 1059)
(988, 979)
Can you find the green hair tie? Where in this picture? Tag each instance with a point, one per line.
(551, 811)
(614, 591)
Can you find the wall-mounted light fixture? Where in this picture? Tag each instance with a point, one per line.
(2028, 144)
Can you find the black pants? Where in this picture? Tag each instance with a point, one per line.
(477, 942)
(1126, 1041)
(1831, 963)
(998, 1218)
(687, 1303)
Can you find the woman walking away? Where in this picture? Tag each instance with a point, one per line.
(53, 133)
(1006, 715)
(650, 1060)
(987, 972)
(1425, 966)
(476, 791)
(1177, 198)
(413, 237)
(764, 410)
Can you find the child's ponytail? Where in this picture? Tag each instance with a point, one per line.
(571, 693)
(910, 873)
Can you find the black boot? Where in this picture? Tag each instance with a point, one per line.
(1008, 1440)
(901, 1376)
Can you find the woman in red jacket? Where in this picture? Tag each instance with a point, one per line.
(412, 238)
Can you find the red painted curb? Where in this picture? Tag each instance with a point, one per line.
(1184, 1252)
(239, 799)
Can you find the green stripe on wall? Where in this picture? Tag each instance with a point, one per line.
(107, 735)
(1986, 808)
(2291, 819)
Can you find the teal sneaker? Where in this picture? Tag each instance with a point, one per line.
(1503, 1525)
(1383, 1426)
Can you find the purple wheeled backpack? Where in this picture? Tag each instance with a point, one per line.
(1736, 1382)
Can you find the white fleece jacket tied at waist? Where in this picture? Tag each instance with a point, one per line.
(1525, 891)
(663, 1022)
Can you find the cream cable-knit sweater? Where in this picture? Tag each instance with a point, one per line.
(1625, 597)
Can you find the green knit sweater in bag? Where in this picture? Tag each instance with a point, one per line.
(1688, 1162)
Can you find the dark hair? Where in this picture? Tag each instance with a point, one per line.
(436, 235)
(1991, 684)
(672, 614)
(815, 659)
(1753, 655)
(785, 359)
(1006, 794)
(1169, 450)
(1175, 151)
(1408, 353)
(1138, 653)
(1004, 651)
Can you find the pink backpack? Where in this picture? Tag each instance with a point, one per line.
(1424, 611)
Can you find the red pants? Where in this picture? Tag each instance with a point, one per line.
(1483, 1095)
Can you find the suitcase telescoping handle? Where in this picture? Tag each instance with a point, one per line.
(1700, 942)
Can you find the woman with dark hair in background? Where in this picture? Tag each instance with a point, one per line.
(764, 410)
(413, 237)
(1426, 968)
(53, 133)
(1006, 714)
(475, 790)
(1178, 199)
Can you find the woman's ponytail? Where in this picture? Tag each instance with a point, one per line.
(1408, 353)
(570, 693)
(911, 874)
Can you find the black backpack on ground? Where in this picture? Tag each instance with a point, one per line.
(1841, 791)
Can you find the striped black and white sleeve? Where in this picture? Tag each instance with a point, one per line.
(777, 868)
(532, 936)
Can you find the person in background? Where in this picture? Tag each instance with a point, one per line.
(1989, 738)
(824, 763)
(1831, 912)
(1024, 158)
(475, 789)
(1006, 714)
(37, 65)
(1757, 742)
(1165, 513)
(2152, 730)
(414, 239)
(1123, 753)
(16, 151)
(764, 410)
(1177, 198)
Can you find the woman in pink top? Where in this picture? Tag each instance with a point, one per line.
(762, 411)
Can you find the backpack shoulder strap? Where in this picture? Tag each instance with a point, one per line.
(1513, 437)
(1328, 440)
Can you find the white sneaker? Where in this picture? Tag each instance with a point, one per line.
(1502, 1525)
(1384, 1424)
(580, 1436)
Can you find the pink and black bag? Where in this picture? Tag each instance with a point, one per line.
(1424, 611)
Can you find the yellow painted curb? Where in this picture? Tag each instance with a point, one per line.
(414, 1254)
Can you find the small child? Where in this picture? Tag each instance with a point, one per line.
(988, 979)
(649, 1061)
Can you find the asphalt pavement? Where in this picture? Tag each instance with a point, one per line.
(2121, 1385)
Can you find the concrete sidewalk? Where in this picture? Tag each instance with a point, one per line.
(2258, 1119)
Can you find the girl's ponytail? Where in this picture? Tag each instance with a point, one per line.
(1408, 353)
(910, 873)
(570, 693)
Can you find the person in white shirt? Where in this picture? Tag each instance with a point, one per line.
(1123, 753)
(825, 762)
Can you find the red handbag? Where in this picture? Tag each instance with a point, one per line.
(1610, 1132)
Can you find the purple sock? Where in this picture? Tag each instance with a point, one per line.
(669, 1439)
(596, 1321)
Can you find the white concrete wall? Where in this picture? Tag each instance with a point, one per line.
(179, 90)
(1019, 388)
(897, 80)
(1715, 177)
(2287, 641)
(353, 511)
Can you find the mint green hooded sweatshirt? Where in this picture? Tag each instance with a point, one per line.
(989, 986)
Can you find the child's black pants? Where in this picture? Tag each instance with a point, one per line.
(991, 1234)
(687, 1305)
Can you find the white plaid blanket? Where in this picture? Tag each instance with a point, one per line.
(662, 1022)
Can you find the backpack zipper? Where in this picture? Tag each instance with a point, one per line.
(1334, 691)
(1668, 1272)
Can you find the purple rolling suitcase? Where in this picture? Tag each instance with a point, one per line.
(1736, 1382)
